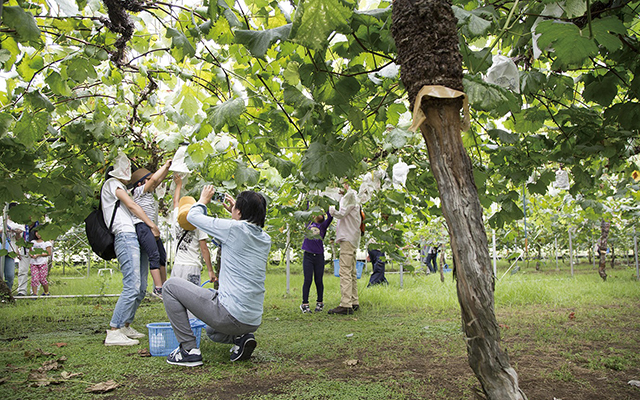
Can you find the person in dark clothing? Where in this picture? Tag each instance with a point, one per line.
(432, 254)
(377, 277)
(313, 260)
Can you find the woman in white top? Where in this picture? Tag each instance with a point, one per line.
(134, 265)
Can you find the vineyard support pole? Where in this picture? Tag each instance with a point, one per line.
(286, 252)
(635, 253)
(571, 252)
(555, 248)
(495, 261)
(4, 239)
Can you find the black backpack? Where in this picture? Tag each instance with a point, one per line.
(99, 235)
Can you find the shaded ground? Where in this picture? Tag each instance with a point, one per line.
(569, 367)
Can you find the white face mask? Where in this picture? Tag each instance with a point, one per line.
(121, 167)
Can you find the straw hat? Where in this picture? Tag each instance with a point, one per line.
(183, 209)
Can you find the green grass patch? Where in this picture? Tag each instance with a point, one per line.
(405, 342)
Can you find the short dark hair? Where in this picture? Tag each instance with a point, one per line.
(252, 206)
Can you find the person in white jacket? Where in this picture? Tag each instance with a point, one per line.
(348, 238)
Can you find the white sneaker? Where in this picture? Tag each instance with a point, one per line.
(131, 333)
(117, 338)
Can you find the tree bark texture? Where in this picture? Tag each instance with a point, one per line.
(602, 248)
(427, 42)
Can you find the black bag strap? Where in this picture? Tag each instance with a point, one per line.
(115, 208)
(113, 217)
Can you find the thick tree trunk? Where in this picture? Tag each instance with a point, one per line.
(602, 248)
(427, 42)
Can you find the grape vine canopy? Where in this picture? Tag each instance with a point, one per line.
(289, 97)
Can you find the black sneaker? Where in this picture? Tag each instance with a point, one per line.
(157, 292)
(244, 346)
(341, 310)
(191, 358)
(319, 307)
(305, 308)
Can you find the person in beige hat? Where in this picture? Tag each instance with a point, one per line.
(143, 184)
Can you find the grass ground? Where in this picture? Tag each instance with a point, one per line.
(567, 337)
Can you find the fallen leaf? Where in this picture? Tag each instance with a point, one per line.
(49, 365)
(60, 344)
(572, 315)
(102, 387)
(37, 353)
(351, 363)
(144, 353)
(39, 378)
(69, 375)
(62, 359)
(503, 326)
(14, 368)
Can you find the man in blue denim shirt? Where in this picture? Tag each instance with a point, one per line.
(234, 311)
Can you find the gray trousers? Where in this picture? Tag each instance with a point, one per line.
(180, 296)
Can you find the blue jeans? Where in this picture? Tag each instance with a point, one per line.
(134, 266)
(9, 270)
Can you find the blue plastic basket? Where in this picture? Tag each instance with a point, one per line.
(359, 268)
(162, 340)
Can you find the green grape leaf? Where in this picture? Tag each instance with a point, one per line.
(22, 22)
(57, 84)
(258, 42)
(606, 32)
(5, 123)
(284, 167)
(322, 161)
(315, 20)
(245, 175)
(39, 101)
(571, 45)
(28, 66)
(491, 98)
(79, 69)
(30, 127)
(228, 112)
(472, 24)
(291, 73)
(296, 98)
(474, 59)
(575, 8)
(532, 81)
(180, 45)
(200, 151)
(601, 89)
(228, 13)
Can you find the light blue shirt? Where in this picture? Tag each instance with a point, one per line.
(243, 268)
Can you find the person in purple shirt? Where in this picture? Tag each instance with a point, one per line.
(313, 260)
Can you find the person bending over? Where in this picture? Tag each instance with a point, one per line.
(234, 311)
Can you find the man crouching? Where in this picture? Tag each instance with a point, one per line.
(234, 311)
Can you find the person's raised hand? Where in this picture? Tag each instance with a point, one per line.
(229, 202)
(207, 194)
